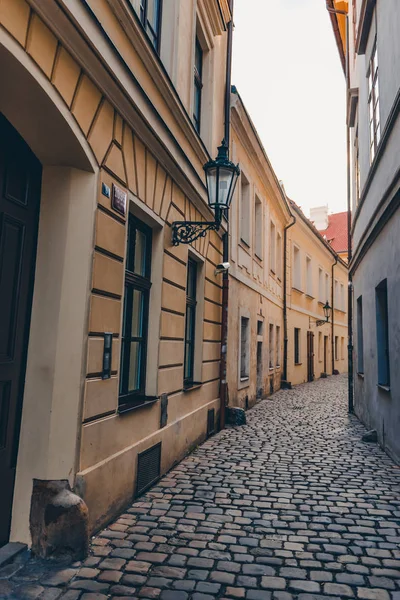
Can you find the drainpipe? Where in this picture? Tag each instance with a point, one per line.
(349, 253)
(333, 316)
(284, 382)
(225, 237)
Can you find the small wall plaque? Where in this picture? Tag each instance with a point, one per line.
(105, 190)
(119, 200)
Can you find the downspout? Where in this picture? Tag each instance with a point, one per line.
(333, 317)
(285, 384)
(225, 237)
(349, 252)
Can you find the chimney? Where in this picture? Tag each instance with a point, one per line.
(319, 216)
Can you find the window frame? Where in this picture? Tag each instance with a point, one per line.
(198, 83)
(142, 12)
(132, 281)
(382, 334)
(297, 350)
(373, 103)
(309, 277)
(357, 172)
(191, 308)
(297, 280)
(360, 336)
(271, 346)
(244, 349)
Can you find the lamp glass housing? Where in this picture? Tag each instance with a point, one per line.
(327, 310)
(221, 177)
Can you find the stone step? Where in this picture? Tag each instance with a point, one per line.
(10, 551)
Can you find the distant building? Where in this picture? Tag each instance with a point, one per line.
(333, 228)
(316, 275)
(373, 100)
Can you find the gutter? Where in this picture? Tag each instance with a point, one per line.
(285, 384)
(334, 372)
(225, 237)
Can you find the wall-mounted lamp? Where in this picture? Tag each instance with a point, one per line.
(327, 312)
(221, 178)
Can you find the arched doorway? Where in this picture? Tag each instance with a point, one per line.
(20, 178)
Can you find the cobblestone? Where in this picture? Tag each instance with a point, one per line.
(292, 506)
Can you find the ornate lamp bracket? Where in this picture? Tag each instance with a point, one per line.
(186, 232)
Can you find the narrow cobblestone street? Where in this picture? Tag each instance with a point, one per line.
(291, 506)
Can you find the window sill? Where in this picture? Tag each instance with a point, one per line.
(298, 364)
(258, 257)
(140, 403)
(242, 379)
(385, 388)
(193, 386)
(296, 289)
(246, 244)
(310, 296)
(361, 375)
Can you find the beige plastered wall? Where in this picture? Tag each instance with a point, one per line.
(70, 426)
(255, 285)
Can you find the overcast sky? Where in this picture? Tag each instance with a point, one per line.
(287, 70)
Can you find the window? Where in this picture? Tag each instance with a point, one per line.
(244, 347)
(326, 299)
(258, 228)
(136, 310)
(279, 256)
(244, 210)
(296, 268)
(272, 248)
(320, 285)
(320, 346)
(336, 295)
(278, 346)
(198, 84)
(150, 17)
(336, 347)
(382, 333)
(357, 177)
(271, 346)
(190, 324)
(360, 336)
(342, 348)
(260, 327)
(296, 346)
(373, 104)
(309, 282)
(342, 304)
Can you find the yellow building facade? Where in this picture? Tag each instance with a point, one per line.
(257, 219)
(316, 276)
(113, 129)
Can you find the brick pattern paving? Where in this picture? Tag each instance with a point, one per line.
(291, 506)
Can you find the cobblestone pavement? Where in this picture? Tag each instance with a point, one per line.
(291, 506)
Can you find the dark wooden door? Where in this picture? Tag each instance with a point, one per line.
(20, 177)
(310, 356)
(325, 353)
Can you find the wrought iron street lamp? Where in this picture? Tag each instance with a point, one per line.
(221, 178)
(327, 312)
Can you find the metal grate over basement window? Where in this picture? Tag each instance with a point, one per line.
(148, 468)
(210, 422)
